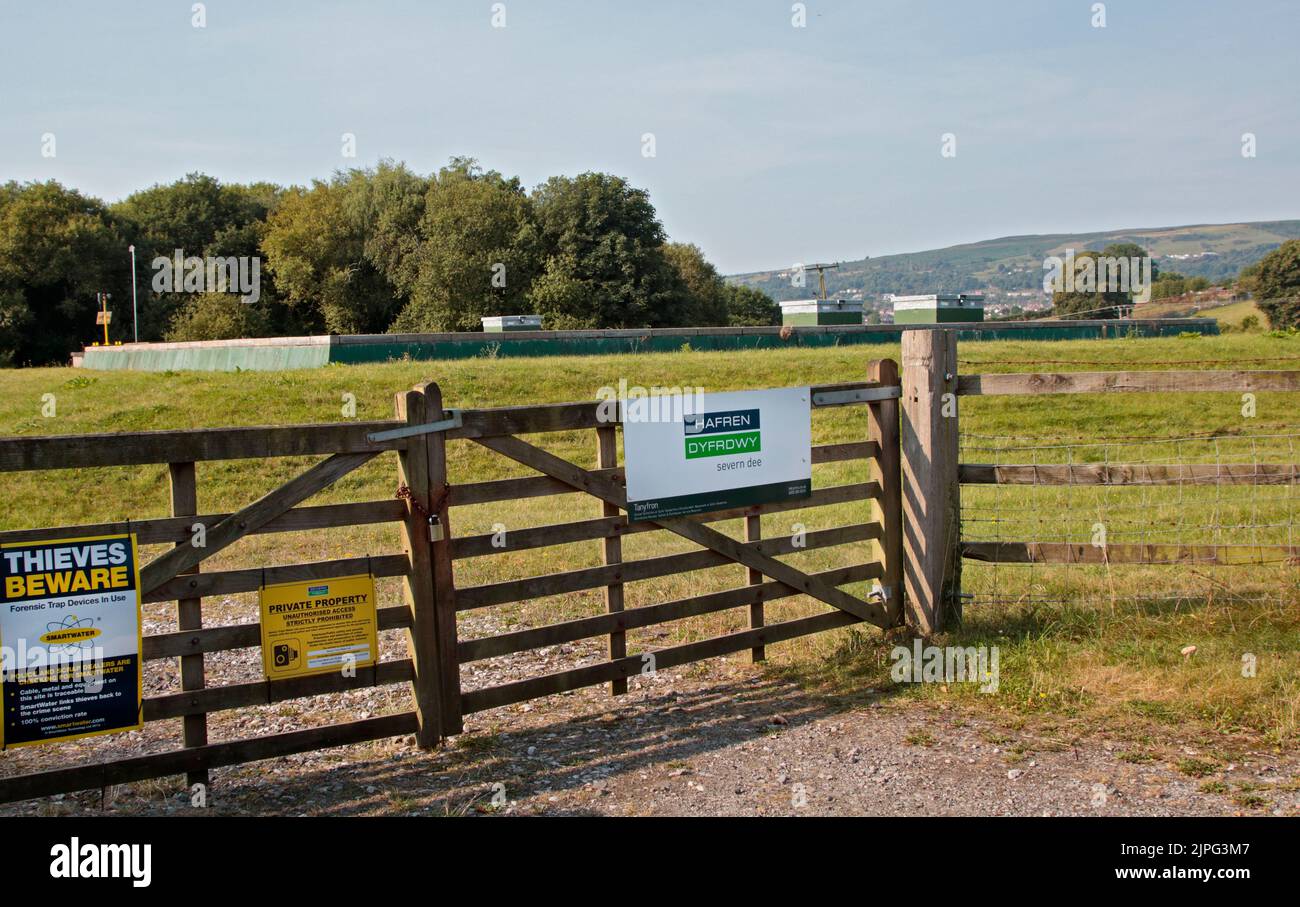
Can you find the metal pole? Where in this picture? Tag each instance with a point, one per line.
(135, 318)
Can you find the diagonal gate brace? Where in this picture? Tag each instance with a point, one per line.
(609, 491)
(251, 518)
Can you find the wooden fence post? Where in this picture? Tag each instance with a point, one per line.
(931, 491)
(189, 616)
(887, 510)
(753, 533)
(444, 581)
(612, 552)
(422, 635)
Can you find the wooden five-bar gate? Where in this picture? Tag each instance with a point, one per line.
(422, 508)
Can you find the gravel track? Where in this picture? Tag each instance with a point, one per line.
(719, 739)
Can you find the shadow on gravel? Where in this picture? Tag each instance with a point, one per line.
(647, 734)
(557, 748)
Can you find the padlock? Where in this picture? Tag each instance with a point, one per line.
(435, 528)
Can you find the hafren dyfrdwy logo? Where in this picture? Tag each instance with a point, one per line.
(722, 434)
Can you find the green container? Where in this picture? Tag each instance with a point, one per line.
(813, 312)
(509, 324)
(939, 308)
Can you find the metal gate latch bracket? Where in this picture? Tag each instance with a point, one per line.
(410, 431)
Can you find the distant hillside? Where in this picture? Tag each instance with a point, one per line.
(1015, 263)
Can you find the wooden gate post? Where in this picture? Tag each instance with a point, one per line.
(754, 533)
(417, 470)
(189, 616)
(612, 553)
(931, 492)
(887, 509)
(444, 583)
(421, 636)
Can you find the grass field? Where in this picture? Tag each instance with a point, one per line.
(1095, 646)
(1234, 313)
(1229, 316)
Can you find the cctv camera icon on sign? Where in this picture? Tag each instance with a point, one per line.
(284, 655)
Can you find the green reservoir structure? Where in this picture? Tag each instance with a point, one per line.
(807, 312)
(280, 353)
(939, 308)
(508, 324)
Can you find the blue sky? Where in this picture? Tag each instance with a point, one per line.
(773, 144)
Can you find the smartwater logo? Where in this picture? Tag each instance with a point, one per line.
(103, 861)
(314, 591)
(720, 434)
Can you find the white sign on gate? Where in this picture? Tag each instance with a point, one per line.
(741, 448)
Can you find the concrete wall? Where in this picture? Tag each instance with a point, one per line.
(279, 353)
(254, 354)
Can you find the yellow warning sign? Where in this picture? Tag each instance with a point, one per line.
(318, 626)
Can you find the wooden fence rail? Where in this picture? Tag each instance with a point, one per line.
(1159, 382)
(933, 533)
(1120, 553)
(1137, 474)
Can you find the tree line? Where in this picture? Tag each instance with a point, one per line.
(1273, 281)
(370, 250)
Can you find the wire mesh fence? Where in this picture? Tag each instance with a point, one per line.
(1180, 507)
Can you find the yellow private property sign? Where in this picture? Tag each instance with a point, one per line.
(318, 626)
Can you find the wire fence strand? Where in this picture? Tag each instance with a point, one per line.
(1183, 523)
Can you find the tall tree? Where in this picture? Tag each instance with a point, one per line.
(605, 265)
(315, 246)
(201, 217)
(1092, 295)
(186, 214)
(750, 307)
(706, 291)
(477, 253)
(388, 202)
(1275, 282)
(58, 248)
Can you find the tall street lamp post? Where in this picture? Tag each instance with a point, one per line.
(135, 318)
